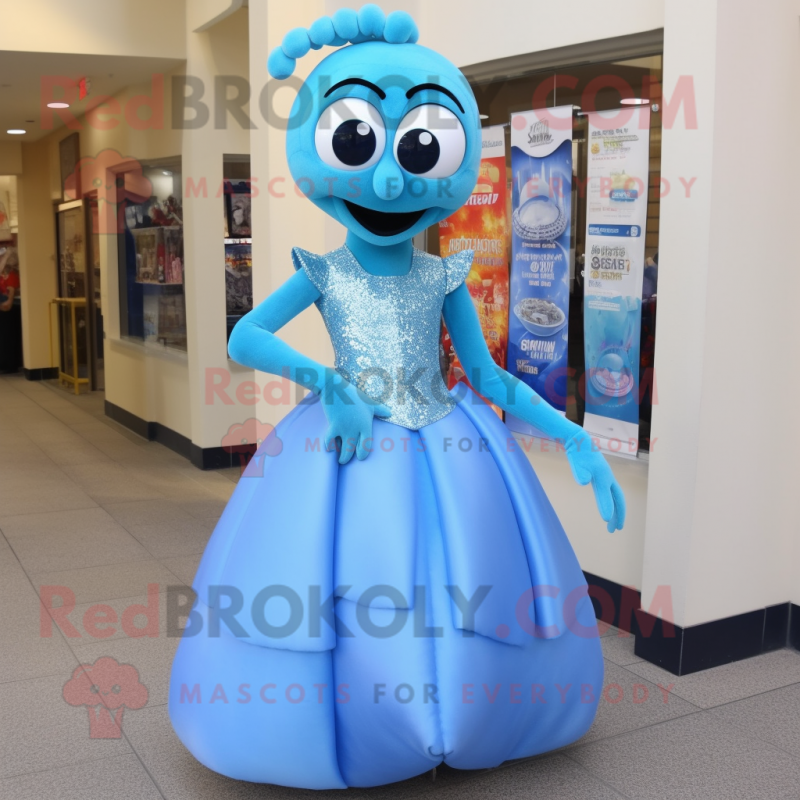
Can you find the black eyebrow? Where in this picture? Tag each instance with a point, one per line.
(436, 88)
(358, 82)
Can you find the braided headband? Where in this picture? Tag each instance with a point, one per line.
(345, 26)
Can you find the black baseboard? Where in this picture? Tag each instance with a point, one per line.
(209, 457)
(683, 651)
(613, 603)
(41, 373)
(794, 626)
(145, 429)
(154, 431)
(201, 457)
(777, 631)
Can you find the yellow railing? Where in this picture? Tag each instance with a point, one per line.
(73, 303)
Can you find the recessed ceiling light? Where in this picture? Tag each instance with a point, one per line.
(634, 101)
(483, 116)
(58, 105)
(16, 131)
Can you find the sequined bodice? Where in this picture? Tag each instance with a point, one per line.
(385, 330)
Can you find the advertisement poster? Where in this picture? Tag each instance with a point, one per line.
(616, 220)
(5, 222)
(541, 197)
(481, 225)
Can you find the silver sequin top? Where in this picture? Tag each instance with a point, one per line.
(385, 328)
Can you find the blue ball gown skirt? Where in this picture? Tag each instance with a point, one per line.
(358, 625)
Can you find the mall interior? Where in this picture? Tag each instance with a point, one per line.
(146, 205)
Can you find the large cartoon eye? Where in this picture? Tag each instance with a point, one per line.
(430, 142)
(350, 134)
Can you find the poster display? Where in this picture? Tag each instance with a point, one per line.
(238, 278)
(616, 220)
(541, 201)
(481, 225)
(5, 220)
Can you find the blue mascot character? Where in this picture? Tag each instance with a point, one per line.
(361, 620)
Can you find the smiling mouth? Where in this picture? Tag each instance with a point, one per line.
(383, 223)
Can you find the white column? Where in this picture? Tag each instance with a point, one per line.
(281, 218)
(722, 500)
(221, 50)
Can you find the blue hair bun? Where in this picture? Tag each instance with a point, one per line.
(371, 20)
(322, 31)
(296, 43)
(400, 28)
(346, 25)
(279, 65)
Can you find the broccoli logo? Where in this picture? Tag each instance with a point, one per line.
(106, 688)
(247, 438)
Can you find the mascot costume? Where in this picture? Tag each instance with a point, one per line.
(360, 620)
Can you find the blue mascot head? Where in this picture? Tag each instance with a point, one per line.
(384, 135)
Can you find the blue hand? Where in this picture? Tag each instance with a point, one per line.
(589, 466)
(349, 412)
(506, 391)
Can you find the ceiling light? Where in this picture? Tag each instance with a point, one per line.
(483, 116)
(634, 101)
(58, 105)
(166, 172)
(16, 131)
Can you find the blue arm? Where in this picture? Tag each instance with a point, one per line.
(516, 397)
(253, 343)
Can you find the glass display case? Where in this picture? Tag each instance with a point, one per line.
(151, 261)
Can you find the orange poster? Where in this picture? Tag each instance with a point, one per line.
(481, 225)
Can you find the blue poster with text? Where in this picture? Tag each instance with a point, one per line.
(541, 202)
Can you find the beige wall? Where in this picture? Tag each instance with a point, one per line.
(722, 512)
(222, 50)
(474, 31)
(203, 14)
(37, 248)
(281, 223)
(10, 158)
(98, 27)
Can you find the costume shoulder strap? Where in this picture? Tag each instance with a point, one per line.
(456, 269)
(315, 267)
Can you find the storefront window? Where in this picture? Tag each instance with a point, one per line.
(151, 262)
(588, 88)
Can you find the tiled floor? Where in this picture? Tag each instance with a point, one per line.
(85, 504)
